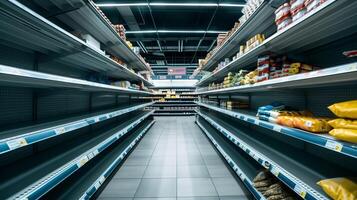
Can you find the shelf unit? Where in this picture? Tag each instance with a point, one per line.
(82, 15)
(322, 140)
(325, 77)
(61, 116)
(259, 21)
(171, 106)
(244, 168)
(298, 158)
(96, 173)
(334, 18)
(52, 43)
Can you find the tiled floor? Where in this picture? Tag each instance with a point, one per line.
(174, 161)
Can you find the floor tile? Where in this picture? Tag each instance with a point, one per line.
(128, 171)
(163, 160)
(235, 198)
(160, 171)
(137, 160)
(190, 187)
(157, 188)
(227, 187)
(218, 171)
(121, 188)
(192, 171)
(198, 198)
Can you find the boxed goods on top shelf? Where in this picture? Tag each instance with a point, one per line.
(249, 8)
(294, 10)
(249, 45)
(271, 188)
(228, 104)
(268, 67)
(120, 29)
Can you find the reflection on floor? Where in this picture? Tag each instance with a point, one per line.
(173, 161)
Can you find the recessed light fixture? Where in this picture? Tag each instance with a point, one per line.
(171, 4)
(173, 31)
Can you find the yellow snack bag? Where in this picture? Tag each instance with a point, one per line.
(340, 188)
(347, 109)
(343, 123)
(349, 135)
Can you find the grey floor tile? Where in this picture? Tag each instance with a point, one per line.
(138, 152)
(137, 160)
(157, 188)
(190, 160)
(163, 160)
(191, 187)
(227, 187)
(198, 198)
(121, 188)
(155, 198)
(130, 171)
(219, 171)
(160, 171)
(234, 198)
(113, 198)
(213, 160)
(192, 171)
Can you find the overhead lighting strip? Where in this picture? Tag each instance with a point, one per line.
(171, 4)
(173, 31)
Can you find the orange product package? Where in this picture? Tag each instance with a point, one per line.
(316, 125)
(348, 135)
(343, 123)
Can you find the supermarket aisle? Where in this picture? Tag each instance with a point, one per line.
(174, 161)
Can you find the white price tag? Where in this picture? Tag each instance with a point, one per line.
(96, 119)
(95, 152)
(300, 191)
(277, 128)
(97, 185)
(256, 122)
(82, 161)
(16, 143)
(101, 179)
(275, 171)
(60, 130)
(333, 145)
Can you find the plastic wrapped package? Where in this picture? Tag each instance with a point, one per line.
(340, 188)
(348, 135)
(316, 125)
(343, 123)
(296, 6)
(282, 12)
(298, 14)
(311, 4)
(283, 23)
(347, 109)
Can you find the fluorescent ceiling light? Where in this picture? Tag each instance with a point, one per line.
(120, 4)
(171, 4)
(173, 31)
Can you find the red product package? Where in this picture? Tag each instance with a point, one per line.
(282, 12)
(296, 6)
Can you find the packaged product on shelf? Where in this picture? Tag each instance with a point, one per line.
(343, 123)
(296, 6)
(311, 4)
(271, 188)
(347, 109)
(341, 188)
(349, 135)
(283, 16)
(315, 125)
(236, 105)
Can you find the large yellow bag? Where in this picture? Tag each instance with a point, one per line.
(349, 135)
(347, 109)
(340, 188)
(343, 123)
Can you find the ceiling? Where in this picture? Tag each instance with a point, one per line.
(171, 49)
